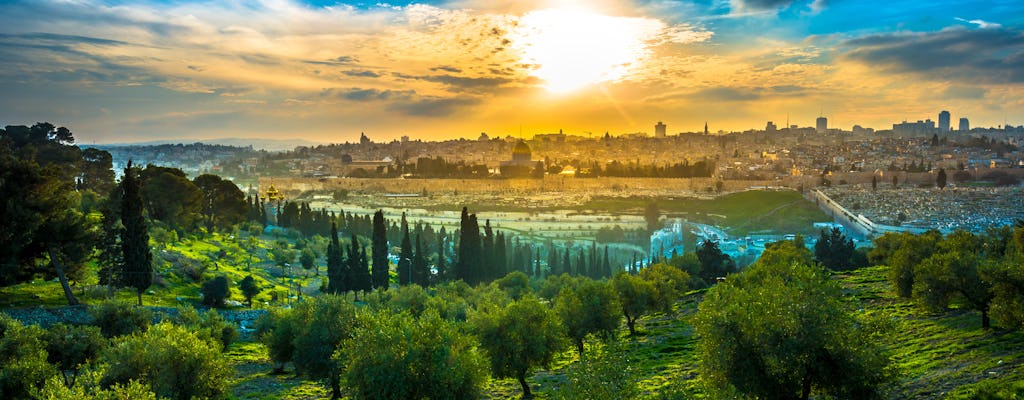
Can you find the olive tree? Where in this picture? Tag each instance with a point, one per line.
(782, 331)
(519, 337)
(397, 356)
(592, 308)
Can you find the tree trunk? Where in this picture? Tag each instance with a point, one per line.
(579, 347)
(526, 387)
(806, 392)
(631, 323)
(57, 265)
(139, 292)
(335, 388)
(984, 319)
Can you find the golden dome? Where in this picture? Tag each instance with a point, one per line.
(521, 152)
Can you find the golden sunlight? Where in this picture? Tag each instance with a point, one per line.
(570, 48)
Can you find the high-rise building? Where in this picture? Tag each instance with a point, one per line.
(659, 130)
(944, 121)
(821, 125)
(965, 125)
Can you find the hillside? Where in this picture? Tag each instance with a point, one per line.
(939, 356)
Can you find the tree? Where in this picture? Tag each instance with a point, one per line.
(519, 337)
(836, 251)
(590, 308)
(169, 196)
(171, 360)
(713, 262)
(669, 284)
(420, 270)
(380, 251)
(321, 328)
(137, 258)
(651, 216)
(940, 178)
(223, 204)
(249, 289)
(308, 259)
(70, 346)
(902, 252)
(23, 357)
(954, 272)
(40, 210)
(422, 358)
(215, 291)
(637, 297)
(97, 171)
(404, 269)
(335, 263)
(782, 331)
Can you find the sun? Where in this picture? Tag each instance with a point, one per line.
(570, 48)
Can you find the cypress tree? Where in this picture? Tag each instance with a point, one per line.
(335, 263)
(442, 264)
(420, 273)
(566, 264)
(405, 257)
(138, 260)
(488, 269)
(380, 251)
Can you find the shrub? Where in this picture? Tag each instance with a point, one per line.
(23, 366)
(215, 291)
(172, 361)
(70, 346)
(209, 326)
(119, 319)
(249, 289)
(421, 358)
(605, 374)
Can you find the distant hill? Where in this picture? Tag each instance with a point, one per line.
(257, 144)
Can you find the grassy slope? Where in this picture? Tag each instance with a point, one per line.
(177, 288)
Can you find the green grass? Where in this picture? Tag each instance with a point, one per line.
(173, 287)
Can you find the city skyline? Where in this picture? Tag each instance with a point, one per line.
(326, 71)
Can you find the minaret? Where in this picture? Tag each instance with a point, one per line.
(705, 127)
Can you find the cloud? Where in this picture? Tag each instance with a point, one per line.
(964, 92)
(360, 94)
(459, 83)
(727, 94)
(447, 68)
(434, 107)
(994, 55)
(980, 23)
(340, 60)
(361, 73)
(761, 4)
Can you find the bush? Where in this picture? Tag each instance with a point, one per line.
(172, 361)
(249, 289)
(215, 291)
(23, 366)
(515, 284)
(399, 357)
(209, 326)
(607, 374)
(276, 329)
(119, 319)
(70, 346)
(56, 390)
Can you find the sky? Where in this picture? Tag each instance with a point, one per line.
(325, 71)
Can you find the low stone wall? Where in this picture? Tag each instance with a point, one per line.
(44, 317)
